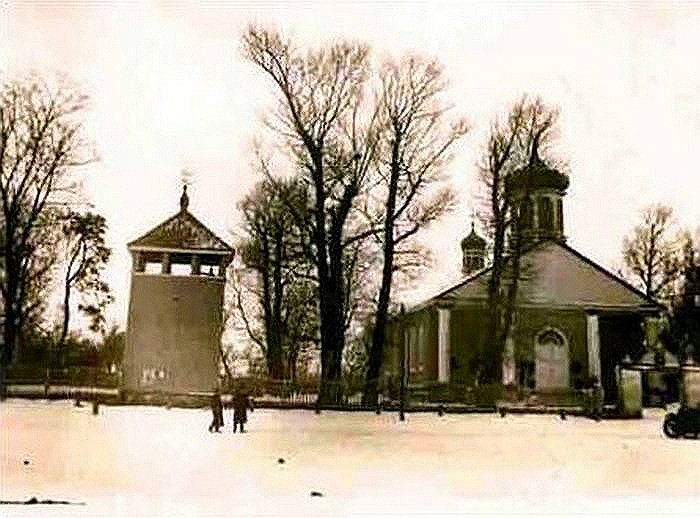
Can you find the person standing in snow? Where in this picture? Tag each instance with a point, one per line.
(217, 410)
(241, 404)
(597, 400)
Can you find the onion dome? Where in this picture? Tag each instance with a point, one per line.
(473, 241)
(536, 176)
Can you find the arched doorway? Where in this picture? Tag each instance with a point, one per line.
(551, 360)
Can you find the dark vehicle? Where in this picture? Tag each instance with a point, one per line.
(686, 421)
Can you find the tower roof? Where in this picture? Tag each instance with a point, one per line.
(181, 232)
(537, 175)
(473, 241)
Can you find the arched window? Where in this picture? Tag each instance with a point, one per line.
(551, 337)
(551, 359)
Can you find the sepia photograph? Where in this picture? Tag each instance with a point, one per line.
(374, 258)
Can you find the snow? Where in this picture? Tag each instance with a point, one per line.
(149, 461)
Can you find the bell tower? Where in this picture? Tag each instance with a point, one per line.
(537, 192)
(175, 306)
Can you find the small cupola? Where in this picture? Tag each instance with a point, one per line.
(538, 191)
(473, 252)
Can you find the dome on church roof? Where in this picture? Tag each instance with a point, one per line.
(539, 176)
(473, 241)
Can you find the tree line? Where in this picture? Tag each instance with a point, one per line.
(331, 232)
(355, 172)
(50, 238)
(662, 259)
(365, 150)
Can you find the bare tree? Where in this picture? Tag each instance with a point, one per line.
(652, 252)
(275, 247)
(684, 330)
(416, 146)
(37, 271)
(86, 256)
(320, 118)
(40, 147)
(512, 145)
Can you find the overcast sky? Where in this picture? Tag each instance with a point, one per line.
(170, 90)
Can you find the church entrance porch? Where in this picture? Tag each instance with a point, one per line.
(621, 335)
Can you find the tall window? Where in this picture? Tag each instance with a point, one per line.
(527, 213)
(545, 213)
(560, 215)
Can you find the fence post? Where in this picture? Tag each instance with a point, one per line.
(402, 387)
(47, 384)
(317, 407)
(95, 403)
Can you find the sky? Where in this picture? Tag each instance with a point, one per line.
(170, 91)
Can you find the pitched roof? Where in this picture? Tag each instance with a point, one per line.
(555, 274)
(183, 232)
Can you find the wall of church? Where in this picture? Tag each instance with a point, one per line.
(173, 333)
(468, 329)
(530, 322)
(417, 333)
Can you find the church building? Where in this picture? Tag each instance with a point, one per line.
(574, 319)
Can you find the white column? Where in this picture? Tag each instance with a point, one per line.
(443, 345)
(509, 362)
(420, 356)
(195, 265)
(165, 263)
(593, 339)
(535, 212)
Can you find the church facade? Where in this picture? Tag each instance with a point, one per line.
(573, 319)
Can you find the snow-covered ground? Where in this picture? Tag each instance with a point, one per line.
(141, 461)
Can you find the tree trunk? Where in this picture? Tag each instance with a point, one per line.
(10, 348)
(64, 327)
(333, 328)
(276, 358)
(329, 261)
(11, 308)
(376, 352)
(490, 353)
(273, 342)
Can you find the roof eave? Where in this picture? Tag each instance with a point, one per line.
(176, 250)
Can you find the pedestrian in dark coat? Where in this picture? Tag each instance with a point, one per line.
(217, 410)
(241, 404)
(596, 400)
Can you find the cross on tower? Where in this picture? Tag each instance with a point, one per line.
(186, 176)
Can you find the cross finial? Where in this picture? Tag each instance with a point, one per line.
(186, 179)
(184, 199)
(186, 176)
